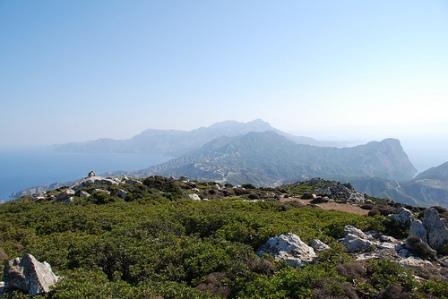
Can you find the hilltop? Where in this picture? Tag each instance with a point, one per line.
(159, 237)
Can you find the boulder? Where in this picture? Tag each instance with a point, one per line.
(2, 287)
(318, 245)
(417, 229)
(29, 275)
(194, 196)
(437, 230)
(288, 248)
(356, 241)
(404, 217)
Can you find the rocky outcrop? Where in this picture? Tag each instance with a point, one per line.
(437, 230)
(337, 191)
(95, 181)
(29, 275)
(288, 248)
(318, 245)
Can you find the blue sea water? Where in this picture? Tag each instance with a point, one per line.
(23, 168)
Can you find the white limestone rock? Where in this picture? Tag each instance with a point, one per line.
(29, 275)
(289, 248)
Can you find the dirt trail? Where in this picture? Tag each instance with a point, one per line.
(332, 206)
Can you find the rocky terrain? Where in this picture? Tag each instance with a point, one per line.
(286, 234)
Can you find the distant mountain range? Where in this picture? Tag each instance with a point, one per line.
(174, 143)
(255, 152)
(267, 158)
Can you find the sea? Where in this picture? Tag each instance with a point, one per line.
(24, 168)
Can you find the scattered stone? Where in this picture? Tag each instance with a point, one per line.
(29, 275)
(289, 248)
(194, 197)
(318, 245)
(404, 217)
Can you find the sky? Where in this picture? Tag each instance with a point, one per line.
(351, 70)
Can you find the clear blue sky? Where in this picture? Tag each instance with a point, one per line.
(79, 70)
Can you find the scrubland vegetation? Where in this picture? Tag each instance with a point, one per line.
(158, 244)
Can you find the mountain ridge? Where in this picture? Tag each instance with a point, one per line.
(175, 143)
(267, 158)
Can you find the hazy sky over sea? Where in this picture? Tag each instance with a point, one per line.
(79, 70)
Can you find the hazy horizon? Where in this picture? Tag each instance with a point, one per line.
(339, 70)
